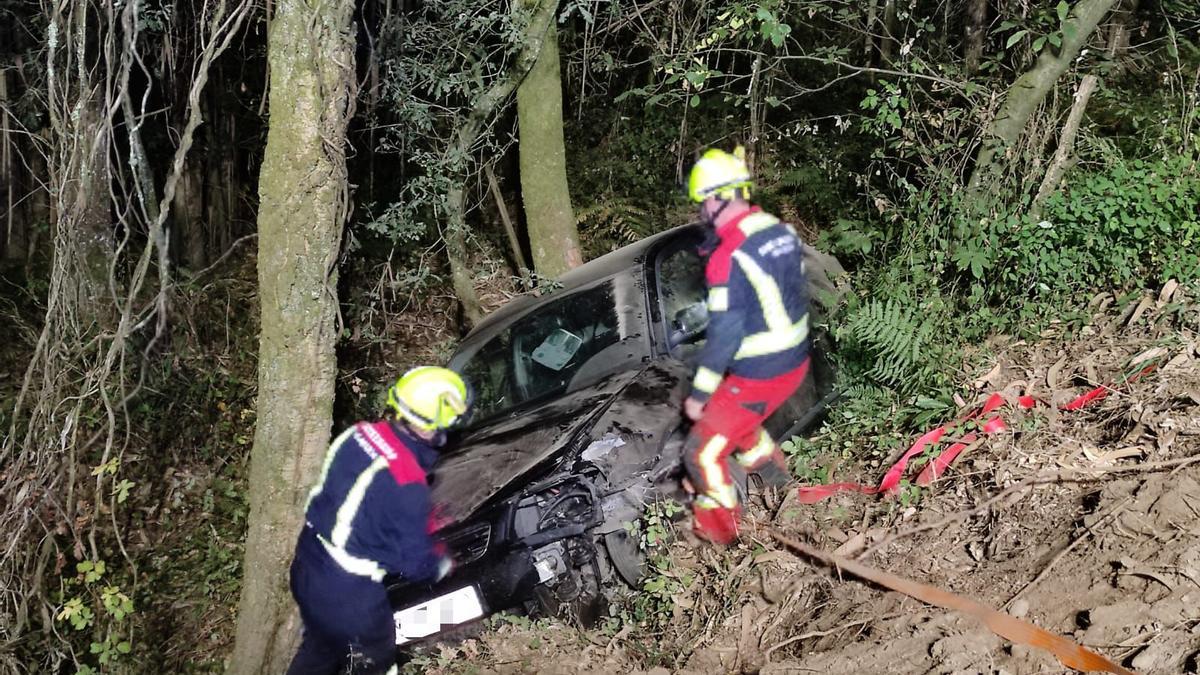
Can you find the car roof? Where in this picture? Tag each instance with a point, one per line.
(607, 265)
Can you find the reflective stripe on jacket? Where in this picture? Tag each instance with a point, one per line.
(757, 303)
(371, 506)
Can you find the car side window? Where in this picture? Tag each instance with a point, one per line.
(681, 291)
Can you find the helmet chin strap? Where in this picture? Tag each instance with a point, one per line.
(711, 220)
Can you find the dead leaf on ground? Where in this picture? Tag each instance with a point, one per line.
(1149, 355)
(990, 378)
(1168, 290)
(1181, 359)
(1145, 304)
(1053, 373)
(1112, 456)
(856, 543)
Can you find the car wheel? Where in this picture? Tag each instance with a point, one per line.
(625, 554)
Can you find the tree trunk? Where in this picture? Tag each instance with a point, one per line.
(553, 236)
(80, 179)
(540, 19)
(1027, 93)
(303, 207)
(1117, 42)
(188, 216)
(15, 225)
(84, 214)
(1066, 142)
(975, 32)
(869, 42)
(456, 253)
(891, 26)
(220, 200)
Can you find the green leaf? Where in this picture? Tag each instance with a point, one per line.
(926, 403)
(1062, 10)
(636, 91)
(1055, 39)
(1039, 43)
(780, 33)
(121, 490)
(1015, 38)
(695, 102)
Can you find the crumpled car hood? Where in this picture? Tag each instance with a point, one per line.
(490, 458)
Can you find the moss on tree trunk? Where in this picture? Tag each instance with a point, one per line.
(553, 236)
(303, 207)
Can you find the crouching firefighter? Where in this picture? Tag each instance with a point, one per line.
(370, 515)
(756, 352)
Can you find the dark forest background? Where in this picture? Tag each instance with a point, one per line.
(980, 167)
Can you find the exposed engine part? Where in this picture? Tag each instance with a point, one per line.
(550, 562)
(577, 595)
(555, 510)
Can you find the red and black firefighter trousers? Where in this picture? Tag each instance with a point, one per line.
(731, 425)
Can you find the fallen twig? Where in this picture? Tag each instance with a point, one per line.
(1040, 479)
(1062, 554)
(823, 633)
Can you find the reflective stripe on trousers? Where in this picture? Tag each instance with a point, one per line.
(732, 420)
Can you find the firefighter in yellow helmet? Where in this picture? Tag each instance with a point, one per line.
(755, 354)
(370, 515)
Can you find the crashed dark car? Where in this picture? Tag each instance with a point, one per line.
(577, 430)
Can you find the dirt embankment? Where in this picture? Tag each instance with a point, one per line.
(1106, 553)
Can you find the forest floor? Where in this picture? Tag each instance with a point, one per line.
(1109, 557)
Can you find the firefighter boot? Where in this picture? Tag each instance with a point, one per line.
(772, 472)
(714, 522)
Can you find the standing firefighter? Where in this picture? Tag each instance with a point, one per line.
(370, 515)
(756, 353)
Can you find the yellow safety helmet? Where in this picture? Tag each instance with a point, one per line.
(430, 398)
(720, 174)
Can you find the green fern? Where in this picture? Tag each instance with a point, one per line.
(614, 220)
(801, 176)
(895, 342)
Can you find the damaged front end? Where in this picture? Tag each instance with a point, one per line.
(559, 546)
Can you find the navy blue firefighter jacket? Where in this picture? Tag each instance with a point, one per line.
(757, 303)
(371, 507)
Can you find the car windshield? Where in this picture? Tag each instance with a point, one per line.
(557, 348)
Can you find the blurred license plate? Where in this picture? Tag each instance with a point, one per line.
(435, 615)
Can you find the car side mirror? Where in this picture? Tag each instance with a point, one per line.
(689, 324)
